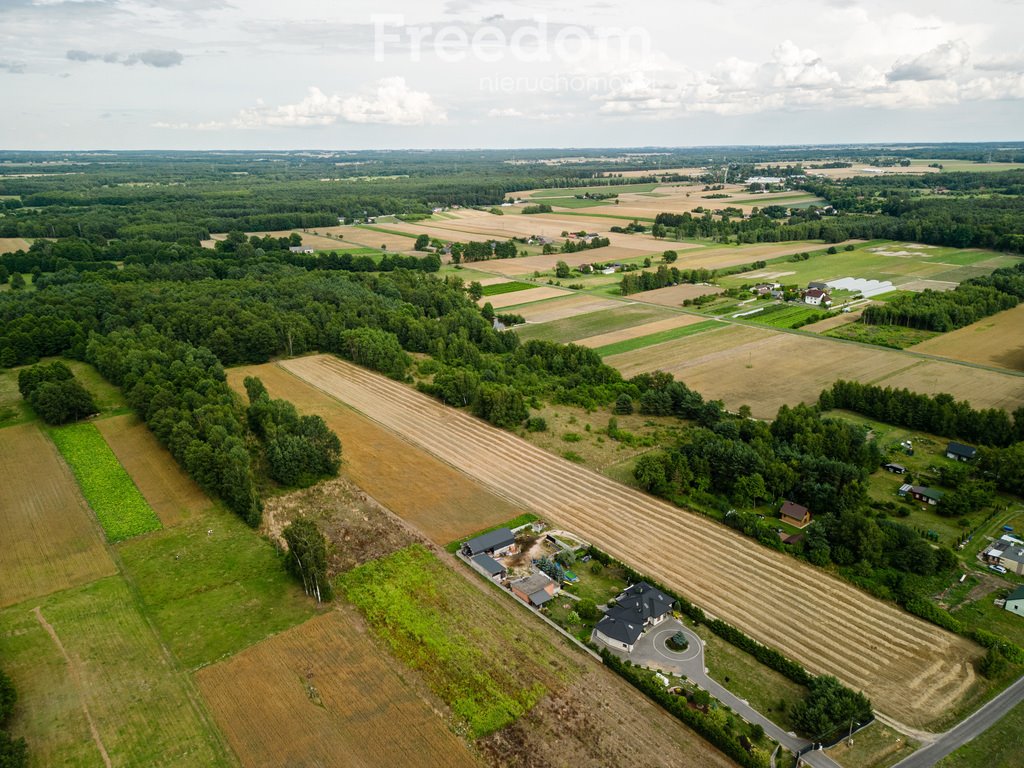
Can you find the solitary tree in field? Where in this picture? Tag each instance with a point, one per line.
(475, 290)
(422, 242)
(307, 557)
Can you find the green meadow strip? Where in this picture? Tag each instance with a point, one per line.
(628, 345)
(499, 288)
(121, 509)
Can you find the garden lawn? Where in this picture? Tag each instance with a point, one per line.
(120, 507)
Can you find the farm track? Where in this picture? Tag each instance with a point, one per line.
(912, 670)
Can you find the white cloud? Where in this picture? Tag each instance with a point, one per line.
(390, 102)
(942, 61)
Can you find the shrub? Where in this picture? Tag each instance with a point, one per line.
(536, 424)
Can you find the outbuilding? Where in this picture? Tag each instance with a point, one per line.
(495, 543)
(1015, 601)
(795, 514)
(960, 452)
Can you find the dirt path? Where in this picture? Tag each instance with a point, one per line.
(912, 670)
(76, 676)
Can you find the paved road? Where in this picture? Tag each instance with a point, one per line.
(968, 729)
(650, 651)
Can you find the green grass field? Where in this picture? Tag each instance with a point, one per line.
(593, 323)
(768, 691)
(892, 336)
(575, 202)
(499, 288)
(946, 264)
(146, 711)
(213, 587)
(120, 508)
(386, 231)
(488, 669)
(614, 190)
(656, 338)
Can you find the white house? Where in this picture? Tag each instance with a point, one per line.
(816, 297)
(1015, 601)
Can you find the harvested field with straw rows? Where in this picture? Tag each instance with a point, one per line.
(912, 670)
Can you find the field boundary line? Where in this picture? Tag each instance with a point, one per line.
(76, 677)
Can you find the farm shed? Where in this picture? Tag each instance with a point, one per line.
(896, 469)
(795, 514)
(1015, 601)
(498, 542)
(960, 452)
(489, 565)
(536, 589)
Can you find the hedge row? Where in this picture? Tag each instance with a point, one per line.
(679, 708)
(928, 611)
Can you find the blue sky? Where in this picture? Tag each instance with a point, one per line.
(136, 74)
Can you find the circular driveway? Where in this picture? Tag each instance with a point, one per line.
(652, 651)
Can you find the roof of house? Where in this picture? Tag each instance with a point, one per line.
(793, 510)
(959, 449)
(540, 597)
(928, 493)
(641, 602)
(620, 629)
(489, 564)
(535, 582)
(899, 467)
(1017, 594)
(814, 293)
(502, 537)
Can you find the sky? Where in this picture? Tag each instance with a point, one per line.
(335, 74)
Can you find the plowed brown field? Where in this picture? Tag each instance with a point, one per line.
(324, 694)
(912, 670)
(50, 541)
(172, 494)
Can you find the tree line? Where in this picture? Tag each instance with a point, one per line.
(943, 311)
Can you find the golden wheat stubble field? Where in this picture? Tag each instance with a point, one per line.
(912, 670)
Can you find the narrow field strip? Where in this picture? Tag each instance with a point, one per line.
(118, 504)
(628, 345)
(815, 618)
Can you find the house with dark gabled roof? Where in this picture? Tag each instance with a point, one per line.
(618, 632)
(1015, 601)
(960, 452)
(922, 493)
(496, 543)
(633, 612)
(896, 469)
(795, 514)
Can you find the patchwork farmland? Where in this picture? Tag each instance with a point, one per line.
(733, 364)
(912, 670)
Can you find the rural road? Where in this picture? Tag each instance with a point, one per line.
(968, 729)
(650, 651)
